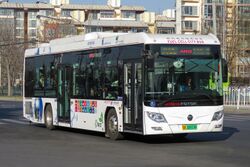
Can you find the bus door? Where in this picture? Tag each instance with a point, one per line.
(64, 74)
(132, 95)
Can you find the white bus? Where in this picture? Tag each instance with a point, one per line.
(126, 83)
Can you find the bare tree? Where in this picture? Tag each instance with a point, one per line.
(52, 29)
(232, 37)
(244, 32)
(238, 41)
(11, 54)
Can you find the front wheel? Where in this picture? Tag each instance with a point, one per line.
(112, 126)
(49, 118)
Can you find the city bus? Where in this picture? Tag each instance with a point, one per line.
(117, 83)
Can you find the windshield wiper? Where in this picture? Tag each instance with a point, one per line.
(203, 94)
(191, 97)
(176, 98)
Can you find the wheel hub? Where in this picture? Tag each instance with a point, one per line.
(49, 119)
(113, 124)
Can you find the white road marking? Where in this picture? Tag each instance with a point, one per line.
(15, 121)
(23, 119)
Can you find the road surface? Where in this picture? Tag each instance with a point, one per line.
(25, 145)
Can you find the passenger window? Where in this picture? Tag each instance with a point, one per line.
(29, 77)
(39, 77)
(50, 81)
(109, 77)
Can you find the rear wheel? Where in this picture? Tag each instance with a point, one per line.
(49, 118)
(112, 126)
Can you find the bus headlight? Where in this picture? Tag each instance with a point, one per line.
(218, 115)
(157, 117)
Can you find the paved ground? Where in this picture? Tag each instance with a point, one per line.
(24, 145)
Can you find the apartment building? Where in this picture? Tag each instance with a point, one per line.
(24, 18)
(149, 18)
(188, 16)
(159, 23)
(43, 21)
(115, 19)
(165, 25)
(170, 13)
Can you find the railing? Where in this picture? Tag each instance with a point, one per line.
(237, 97)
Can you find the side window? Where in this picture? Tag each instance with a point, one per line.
(109, 76)
(29, 77)
(131, 52)
(86, 74)
(50, 73)
(39, 77)
(93, 74)
(73, 60)
(110, 81)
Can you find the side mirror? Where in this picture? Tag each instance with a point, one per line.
(224, 70)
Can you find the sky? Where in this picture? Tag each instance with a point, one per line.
(150, 5)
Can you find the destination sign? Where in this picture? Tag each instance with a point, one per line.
(185, 50)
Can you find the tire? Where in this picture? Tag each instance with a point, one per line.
(112, 126)
(49, 118)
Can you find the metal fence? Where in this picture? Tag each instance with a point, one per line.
(237, 97)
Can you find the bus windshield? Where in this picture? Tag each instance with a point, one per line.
(184, 75)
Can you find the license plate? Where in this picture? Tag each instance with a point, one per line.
(189, 127)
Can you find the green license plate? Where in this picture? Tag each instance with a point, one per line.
(189, 127)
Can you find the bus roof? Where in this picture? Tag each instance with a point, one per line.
(103, 40)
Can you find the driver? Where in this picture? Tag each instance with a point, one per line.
(186, 85)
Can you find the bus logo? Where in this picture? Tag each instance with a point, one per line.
(190, 117)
